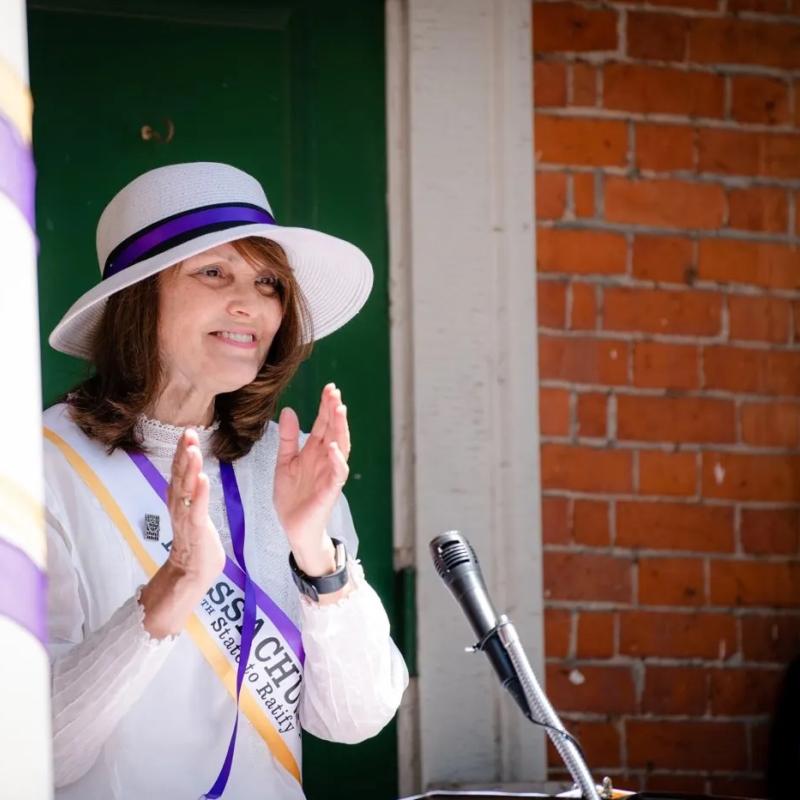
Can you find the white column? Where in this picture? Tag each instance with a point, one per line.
(463, 299)
(24, 667)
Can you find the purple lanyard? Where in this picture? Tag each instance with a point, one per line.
(235, 512)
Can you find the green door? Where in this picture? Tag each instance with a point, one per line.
(292, 92)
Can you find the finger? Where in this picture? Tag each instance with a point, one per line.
(288, 432)
(177, 459)
(320, 425)
(194, 465)
(334, 401)
(340, 470)
(188, 438)
(341, 430)
(198, 511)
(177, 473)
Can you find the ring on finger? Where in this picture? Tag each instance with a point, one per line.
(187, 501)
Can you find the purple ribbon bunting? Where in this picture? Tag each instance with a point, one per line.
(23, 590)
(253, 595)
(181, 228)
(17, 172)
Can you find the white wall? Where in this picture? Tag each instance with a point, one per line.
(465, 414)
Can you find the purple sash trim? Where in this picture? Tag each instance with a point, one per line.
(232, 571)
(180, 228)
(23, 590)
(17, 172)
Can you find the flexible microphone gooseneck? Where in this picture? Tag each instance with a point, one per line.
(458, 567)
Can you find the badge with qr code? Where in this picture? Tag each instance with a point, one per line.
(152, 527)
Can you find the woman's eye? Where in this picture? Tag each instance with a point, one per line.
(268, 280)
(212, 272)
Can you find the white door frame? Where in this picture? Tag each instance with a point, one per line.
(464, 368)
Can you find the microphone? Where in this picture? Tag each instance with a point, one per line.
(458, 567)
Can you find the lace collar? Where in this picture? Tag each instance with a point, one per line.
(161, 439)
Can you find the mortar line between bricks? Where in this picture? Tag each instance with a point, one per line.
(684, 12)
(625, 336)
(678, 665)
(658, 117)
(633, 446)
(723, 69)
(711, 610)
(621, 280)
(717, 234)
(559, 773)
(578, 494)
(765, 16)
(644, 391)
(604, 58)
(622, 33)
(652, 717)
(732, 181)
(673, 662)
(660, 552)
(764, 613)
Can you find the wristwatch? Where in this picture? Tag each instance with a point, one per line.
(313, 587)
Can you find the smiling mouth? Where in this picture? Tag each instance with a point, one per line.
(244, 341)
(243, 338)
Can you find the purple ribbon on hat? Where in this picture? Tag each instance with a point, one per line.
(180, 228)
(23, 590)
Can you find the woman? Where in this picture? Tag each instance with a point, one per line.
(204, 600)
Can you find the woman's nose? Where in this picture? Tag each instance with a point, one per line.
(241, 302)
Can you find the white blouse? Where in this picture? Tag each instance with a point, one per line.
(128, 719)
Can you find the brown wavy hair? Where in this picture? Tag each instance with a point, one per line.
(128, 373)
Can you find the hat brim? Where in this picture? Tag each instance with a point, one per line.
(334, 276)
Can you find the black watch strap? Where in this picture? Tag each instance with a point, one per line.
(313, 587)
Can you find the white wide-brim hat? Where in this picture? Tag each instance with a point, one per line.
(172, 213)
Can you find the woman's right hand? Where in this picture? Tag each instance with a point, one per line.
(196, 556)
(196, 550)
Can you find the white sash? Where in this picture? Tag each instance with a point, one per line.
(274, 672)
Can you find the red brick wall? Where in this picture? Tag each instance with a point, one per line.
(668, 205)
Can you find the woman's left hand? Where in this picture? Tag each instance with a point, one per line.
(308, 482)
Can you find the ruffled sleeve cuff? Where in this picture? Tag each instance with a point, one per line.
(354, 675)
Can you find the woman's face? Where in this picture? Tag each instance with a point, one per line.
(218, 315)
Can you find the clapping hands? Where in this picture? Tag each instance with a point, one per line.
(309, 480)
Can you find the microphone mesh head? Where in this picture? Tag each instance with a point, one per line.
(449, 551)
